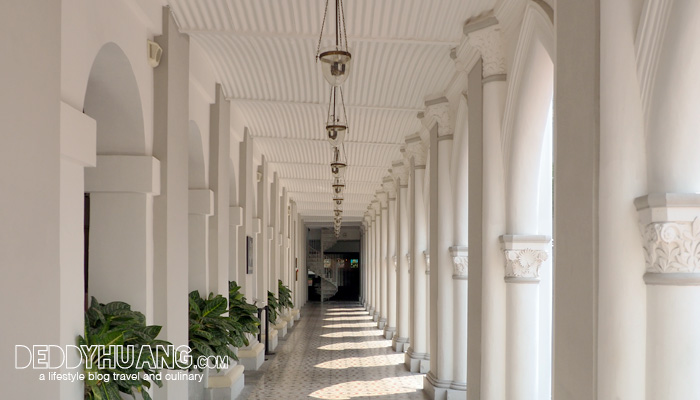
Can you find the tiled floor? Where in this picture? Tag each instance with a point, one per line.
(334, 352)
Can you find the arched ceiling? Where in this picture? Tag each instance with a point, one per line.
(263, 52)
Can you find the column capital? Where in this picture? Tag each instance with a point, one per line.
(394, 262)
(399, 171)
(460, 260)
(438, 110)
(408, 259)
(670, 228)
(416, 148)
(382, 197)
(485, 36)
(524, 254)
(389, 187)
(427, 261)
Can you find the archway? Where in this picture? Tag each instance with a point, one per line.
(121, 187)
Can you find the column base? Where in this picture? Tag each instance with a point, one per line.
(289, 320)
(274, 339)
(417, 362)
(281, 328)
(375, 316)
(228, 386)
(297, 314)
(399, 344)
(252, 357)
(389, 332)
(381, 323)
(440, 390)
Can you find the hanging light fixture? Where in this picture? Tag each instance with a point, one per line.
(338, 200)
(336, 121)
(338, 165)
(336, 60)
(338, 186)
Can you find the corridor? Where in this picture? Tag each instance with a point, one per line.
(334, 352)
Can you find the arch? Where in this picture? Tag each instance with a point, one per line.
(531, 88)
(112, 98)
(197, 169)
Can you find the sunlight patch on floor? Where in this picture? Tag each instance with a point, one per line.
(353, 334)
(374, 344)
(382, 387)
(350, 318)
(333, 314)
(363, 362)
(353, 325)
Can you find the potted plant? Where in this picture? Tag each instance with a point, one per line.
(285, 295)
(244, 313)
(273, 306)
(124, 368)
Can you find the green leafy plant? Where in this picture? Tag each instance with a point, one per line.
(244, 313)
(285, 295)
(211, 333)
(128, 366)
(274, 306)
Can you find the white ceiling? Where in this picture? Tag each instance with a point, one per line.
(263, 52)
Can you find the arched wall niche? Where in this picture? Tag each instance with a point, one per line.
(112, 98)
(121, 187)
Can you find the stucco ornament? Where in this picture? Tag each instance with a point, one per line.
(672, 247)
(461, 266)
(490, 44)
(524, 263)
(419, 151)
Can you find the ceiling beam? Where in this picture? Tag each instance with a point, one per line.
(324, 105)
(321, 141)
(325, 165)
(314, 37)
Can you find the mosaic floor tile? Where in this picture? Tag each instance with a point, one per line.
(334, 352)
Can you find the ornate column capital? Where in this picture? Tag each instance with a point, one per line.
(410, 266)
(670, 228)
(485, 36)
(399, 171)
(438, 110)
(427, 261)
(460, 259)
(416, 148)
(524, 255)
(389, 187)
(394, 262)
(382, 198)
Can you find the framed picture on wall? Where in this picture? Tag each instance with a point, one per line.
(249, 254)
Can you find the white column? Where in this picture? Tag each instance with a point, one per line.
(417, 355)
(235, 214)
(400, 342)
(383, 262)
(377, 260)
(275, 227)
(170, 146)
(121, 230)
(262, 261)
(439, 378)
(459, 252)
(671, 236)
(390, 328)
(524, 254)
(489, 43)
(219, 181)
(370, 261)
(201, 207)
(77, 145)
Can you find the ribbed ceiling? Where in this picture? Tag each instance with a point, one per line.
(263, 52)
